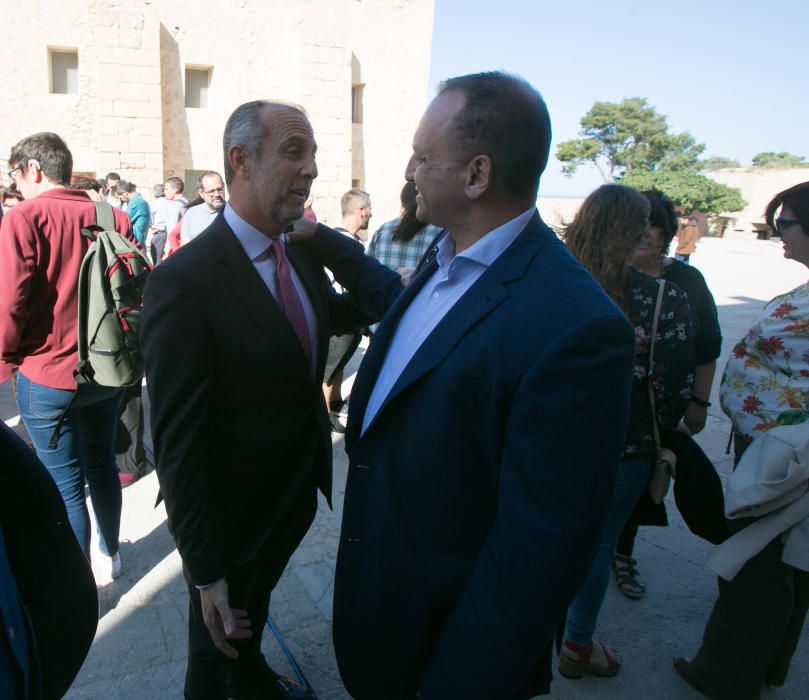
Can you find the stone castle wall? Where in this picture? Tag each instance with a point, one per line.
(129, 114)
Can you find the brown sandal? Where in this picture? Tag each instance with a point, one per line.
(575, 661)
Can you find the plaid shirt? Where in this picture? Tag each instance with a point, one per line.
(396, 254)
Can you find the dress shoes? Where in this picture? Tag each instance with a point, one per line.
(260, 682)
(683, 668)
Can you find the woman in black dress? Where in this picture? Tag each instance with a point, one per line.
(652, 258)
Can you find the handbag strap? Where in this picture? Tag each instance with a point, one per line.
(661, 285)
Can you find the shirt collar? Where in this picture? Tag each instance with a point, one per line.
(254, 242)
(488, 248)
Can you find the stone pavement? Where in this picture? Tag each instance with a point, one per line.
(139, 651)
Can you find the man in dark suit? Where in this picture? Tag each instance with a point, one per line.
(235, 335)
(486, 424)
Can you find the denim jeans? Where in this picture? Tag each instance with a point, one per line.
(632, 478)
(85, 449)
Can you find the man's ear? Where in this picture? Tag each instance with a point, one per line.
(237, 159)
(479, 176)
(35, 169)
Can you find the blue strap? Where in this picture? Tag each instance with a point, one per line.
(297, 669)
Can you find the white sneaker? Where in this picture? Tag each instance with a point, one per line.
(115, 565)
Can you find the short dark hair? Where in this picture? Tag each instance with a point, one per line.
(662, 215)
(176, 182)
(113, 176)
(10, 192)
(52, 153)
(124, 186)
(797, 199)
(505, 118)
(86, 183)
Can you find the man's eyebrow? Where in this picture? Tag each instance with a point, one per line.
(296, 140)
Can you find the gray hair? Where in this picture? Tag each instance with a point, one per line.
(246, 128)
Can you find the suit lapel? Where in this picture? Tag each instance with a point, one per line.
(377, 349)
(485, 295)
(249, 289)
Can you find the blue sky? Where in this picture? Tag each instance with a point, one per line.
(734, 73)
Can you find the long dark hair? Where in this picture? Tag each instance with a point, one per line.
(605, 232)
(409, 225)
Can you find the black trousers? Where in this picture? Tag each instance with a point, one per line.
(754, 627)
(249, 588)
(756, 622)
(130, 455)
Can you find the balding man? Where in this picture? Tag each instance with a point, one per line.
(240, 428)
(486, 422)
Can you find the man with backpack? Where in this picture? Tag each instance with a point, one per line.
(71, 425)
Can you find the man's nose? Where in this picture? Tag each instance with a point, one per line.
(409, 170)
(310, 168)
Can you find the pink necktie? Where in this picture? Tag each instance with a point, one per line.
(289, 298)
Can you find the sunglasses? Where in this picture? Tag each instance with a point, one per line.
(781, 224)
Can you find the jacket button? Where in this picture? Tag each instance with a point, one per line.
(12, 634)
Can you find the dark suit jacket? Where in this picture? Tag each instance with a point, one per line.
(52, 576)
(476, 497)
(239, 422)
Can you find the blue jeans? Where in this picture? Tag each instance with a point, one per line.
(85, 449)
(633, 476)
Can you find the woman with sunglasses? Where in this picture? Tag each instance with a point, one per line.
(757, 619)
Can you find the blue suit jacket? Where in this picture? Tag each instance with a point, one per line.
(476, 497)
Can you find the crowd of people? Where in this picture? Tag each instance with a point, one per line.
(470, 539)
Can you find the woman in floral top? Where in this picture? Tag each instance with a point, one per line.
(757, 619)
(766, 380)
(652, 258)
(608, 228)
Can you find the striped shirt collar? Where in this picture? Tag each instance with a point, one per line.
(254, 242)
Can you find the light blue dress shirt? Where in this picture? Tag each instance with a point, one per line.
(257, 247)
(454, 276)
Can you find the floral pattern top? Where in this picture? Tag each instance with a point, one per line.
(766, 380)
(673, 370)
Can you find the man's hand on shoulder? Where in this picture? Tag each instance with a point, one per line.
(302, 230)
(222, 621)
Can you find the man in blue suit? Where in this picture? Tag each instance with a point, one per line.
(486, 421)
